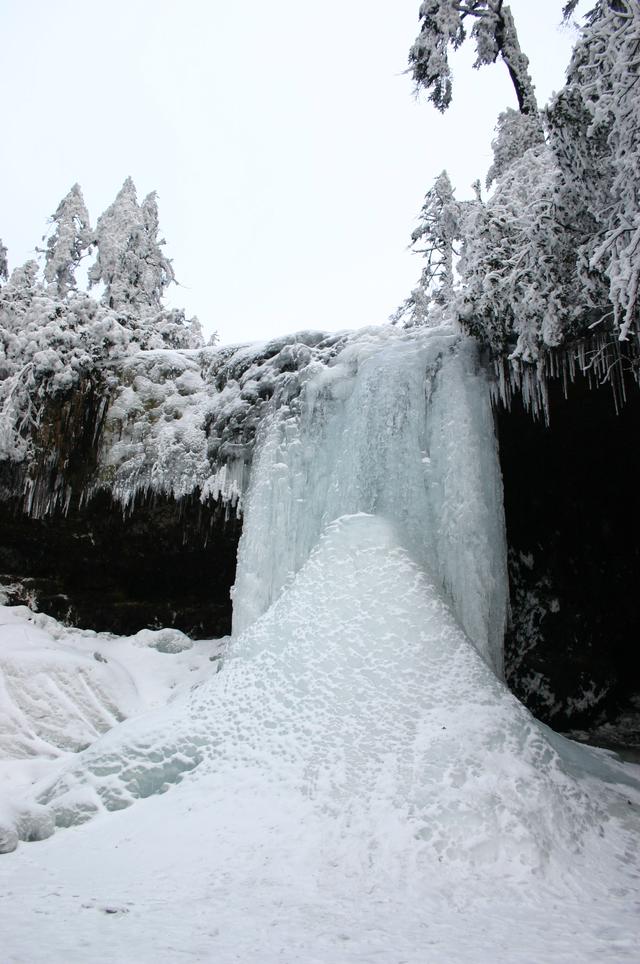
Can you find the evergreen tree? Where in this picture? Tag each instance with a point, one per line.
(4, 264)
(71, 237)
(433, 238)
(443, 24)
(515, 134)
(435, 235)
(555, 250)
(113, 232)
(130, 261)
(595, 134)
(150, 270)
(21, 289)
(517, 263)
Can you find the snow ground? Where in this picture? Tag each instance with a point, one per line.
(368, 792)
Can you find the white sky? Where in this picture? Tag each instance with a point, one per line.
(288, 152)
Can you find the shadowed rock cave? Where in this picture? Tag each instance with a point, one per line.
(572, 650)
(165, 562)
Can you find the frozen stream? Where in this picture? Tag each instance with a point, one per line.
(356, 783)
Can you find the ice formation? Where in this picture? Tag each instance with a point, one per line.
(358, 733)
(399, 426)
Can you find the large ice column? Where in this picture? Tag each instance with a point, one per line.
(399, 425)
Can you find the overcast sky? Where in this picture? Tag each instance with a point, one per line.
(283, 138)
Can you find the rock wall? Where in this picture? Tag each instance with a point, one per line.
(573, 531)
(162, 562)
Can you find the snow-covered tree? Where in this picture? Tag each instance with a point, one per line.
(112, 236)
(150, 270)
(130, 261)
(433, 238)
(555, 250)
(71, 238)
(515, 134)
(4, 264)
(443, 24)
(435, 234)
(23, 285)
(518, 287)
(56, 339)
(595, 131)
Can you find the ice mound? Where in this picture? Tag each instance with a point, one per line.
(164, 640)
(357, 701)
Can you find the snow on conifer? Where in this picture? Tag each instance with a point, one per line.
(71, 238)
(55, 337)
(442, 25)
(598, 114)
(114, 231)
(438, 227)
(130, 262)
(4, 265)
(554, 252)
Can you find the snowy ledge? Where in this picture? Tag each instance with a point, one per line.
(156, 421)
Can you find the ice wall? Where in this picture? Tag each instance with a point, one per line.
(398, 425)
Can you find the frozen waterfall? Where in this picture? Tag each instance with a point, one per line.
(353, 781)
(399, 426)
(358, 729)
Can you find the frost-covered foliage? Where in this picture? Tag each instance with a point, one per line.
(4, 266)
(555, 249)
(595, 127)
(517, 289)
(515, 134)
(130, 261)
(47, 347)
(438, 228)
(71, 237)
(442, 25)
(135, 273)
(54, 337)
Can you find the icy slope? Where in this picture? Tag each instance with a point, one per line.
(61, 689)
(367, 791)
